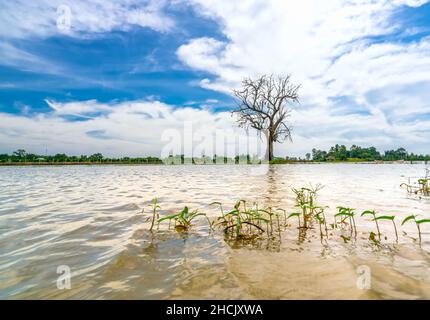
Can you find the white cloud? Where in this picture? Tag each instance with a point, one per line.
(128, 128)
(80, 109)
(22, 19)
(136, 128)
(326, 46)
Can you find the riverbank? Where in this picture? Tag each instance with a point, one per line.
(8, 164)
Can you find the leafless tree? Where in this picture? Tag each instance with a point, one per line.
(263, 104)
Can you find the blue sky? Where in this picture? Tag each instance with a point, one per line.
(83, 87)
(115, 65)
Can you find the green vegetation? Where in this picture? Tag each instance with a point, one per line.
(373, 213)
(244, 222)
(347, 213)
(391, 218)
(21, 156)
(357, 154)
(183, 219)
(252, 222)
(320, 217)
(155, 214)
(305, 199)
(417, 223)
(338, 153)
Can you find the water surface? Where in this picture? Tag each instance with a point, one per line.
(90, 219)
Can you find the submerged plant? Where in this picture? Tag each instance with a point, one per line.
(372, 237)
(346, 213)
(252, 222)
(155, 213)
(184, 218)
(391, 218)
(373, 213)
(319, 215)
(240, 219)
(417, 223)
(302, 202)
(244, 221)
(270, 214)
(284, 212)
(306, 201)
(295, 214)
(321, 221)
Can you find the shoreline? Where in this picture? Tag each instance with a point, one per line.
(26, 164)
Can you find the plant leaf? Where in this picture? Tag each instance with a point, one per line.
(293, 215)
(423, 221)
(385, 218)
(215, 203)
(407, 219)
(233, 212)
(344, 214)
(173, 216)
(268, 212)
(368, 212)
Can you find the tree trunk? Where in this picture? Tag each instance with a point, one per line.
(269, 150)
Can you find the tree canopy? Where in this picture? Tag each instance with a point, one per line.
(263, 104)
(341, 153)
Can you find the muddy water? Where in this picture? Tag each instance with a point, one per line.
(90, 219)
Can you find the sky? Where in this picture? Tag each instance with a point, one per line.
(121, 77)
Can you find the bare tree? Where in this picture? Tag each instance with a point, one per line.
(263, 105)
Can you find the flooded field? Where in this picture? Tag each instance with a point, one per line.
(90, 219)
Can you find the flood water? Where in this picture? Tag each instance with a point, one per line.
(90, 219)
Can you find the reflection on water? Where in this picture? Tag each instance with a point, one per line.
(90, 219)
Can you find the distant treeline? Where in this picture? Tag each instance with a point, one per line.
(336, 153)
(22, 156)
(356, 153)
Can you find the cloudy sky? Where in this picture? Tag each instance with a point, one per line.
(112, 76)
